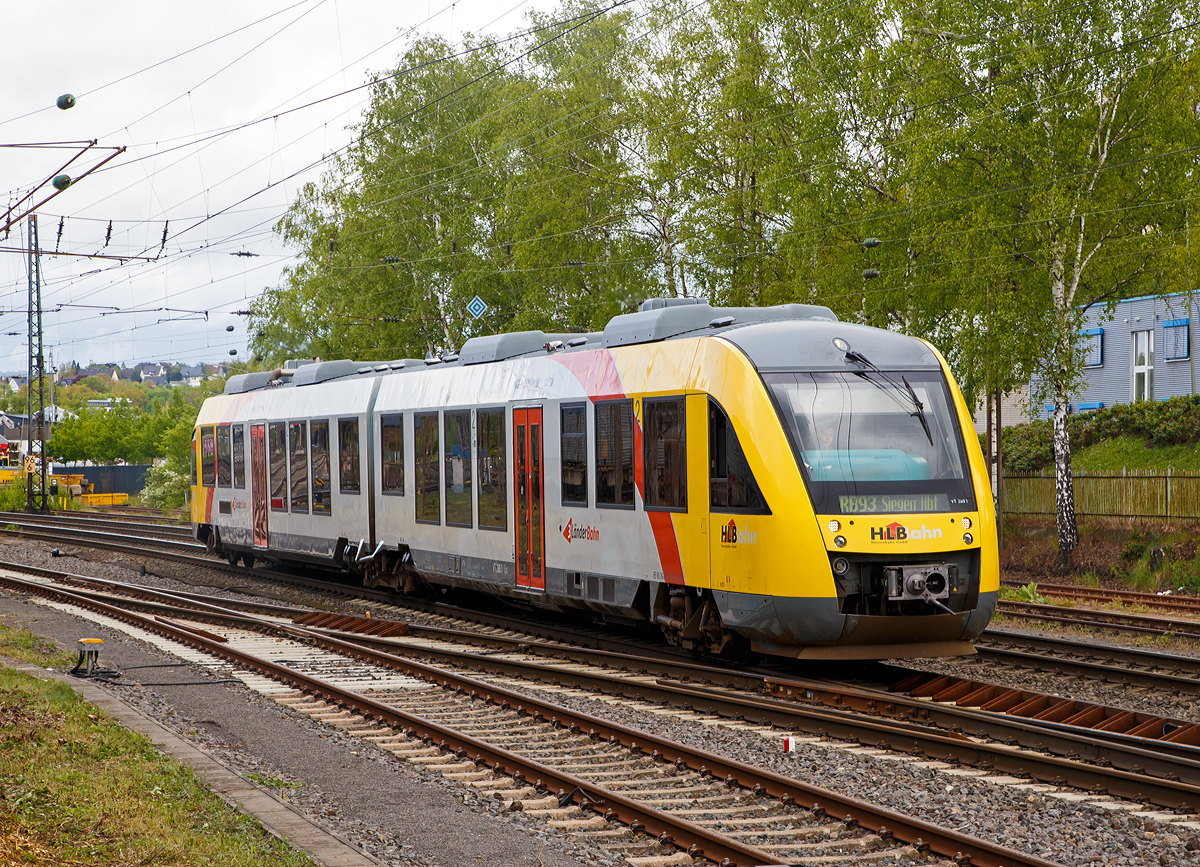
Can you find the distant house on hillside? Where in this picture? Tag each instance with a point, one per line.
(155, 380)
(191, 374)
(155, 368)
(110, 373)
(133, 374)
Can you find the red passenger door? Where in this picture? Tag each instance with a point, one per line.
(527, 450)
(258, 482)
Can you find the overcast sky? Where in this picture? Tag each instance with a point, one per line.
(217, 194)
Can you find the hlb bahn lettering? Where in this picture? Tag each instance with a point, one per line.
(732, 535)
(896, 532)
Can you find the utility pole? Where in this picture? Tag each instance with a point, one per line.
(35, 502)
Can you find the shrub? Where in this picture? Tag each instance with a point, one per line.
(1029, 448)
(165, 488)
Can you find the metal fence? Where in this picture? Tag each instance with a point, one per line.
(1133, 494)
(125, 479)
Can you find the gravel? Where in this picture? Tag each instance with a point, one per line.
(1070, 833)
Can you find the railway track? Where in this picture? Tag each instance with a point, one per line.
(577, 772)
(1124, 597)
(1141, 767)
(1092, 618)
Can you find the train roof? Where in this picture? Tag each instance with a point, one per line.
(763, 333)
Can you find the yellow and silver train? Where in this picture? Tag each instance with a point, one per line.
(766, 479)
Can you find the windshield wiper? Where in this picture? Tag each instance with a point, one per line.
(920, 408)
(907, 391)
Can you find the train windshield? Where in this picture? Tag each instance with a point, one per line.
(875, 441)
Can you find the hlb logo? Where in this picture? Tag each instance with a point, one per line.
(896, 532)
(731, 535)
(585, 534)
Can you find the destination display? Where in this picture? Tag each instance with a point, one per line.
(872, 503)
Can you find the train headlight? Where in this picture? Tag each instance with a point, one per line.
(840, 541)
(834, 526)
(968, 538)
(840, 565)
(966, 522)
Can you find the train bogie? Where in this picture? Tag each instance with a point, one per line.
(769, 479)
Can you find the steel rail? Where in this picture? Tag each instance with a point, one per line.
(1125, 597)
(1133, 754)
(1151, 661)
(668, 828)
(1097, 619)
(72, 522)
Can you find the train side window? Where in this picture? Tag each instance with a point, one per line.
(574, 455)
(391, 444)
(664, 453)
(192, 461)
(458, 468)
(731, 483)
(208, 463)
(490, 472)
(224, 477)
(279, 475)
(614, 453)
(322, 497)
(429, 483)
(348, 461)
(239, 456)
(298, 448)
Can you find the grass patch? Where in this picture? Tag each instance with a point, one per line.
(76, 788)
(24, 645)
(1132, 452)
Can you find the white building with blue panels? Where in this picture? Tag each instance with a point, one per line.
(1142, 350)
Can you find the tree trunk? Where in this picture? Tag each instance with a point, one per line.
(1064, 485)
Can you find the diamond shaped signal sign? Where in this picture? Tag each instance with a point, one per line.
(477, 307)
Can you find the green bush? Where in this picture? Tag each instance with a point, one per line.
(165, 488)
(1029, 448)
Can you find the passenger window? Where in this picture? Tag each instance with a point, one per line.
(208, 464)
(664, 453)
(490, 469)
(574, 455)
(458, 468)
(731, 484)
(224, 478)
(391, 443)
(425, 440)
(297, 434)
(614, 453)
(239, 456)
(348, 462)
(278, 466)
(322, 496)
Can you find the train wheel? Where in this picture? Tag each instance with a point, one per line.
(248, 561)
(233, 558)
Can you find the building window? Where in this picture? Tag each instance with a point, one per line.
(224, 477)
(1143, 365)
(458, 468)
(348, 462)
(490, 470)
(731, 484)
(425, 439)
(239, 456)
(664, 453)
(1176, 345)
(208, 463)
(297, 436)
(278, 433)
(614, 453)
(322, 496)
(1093, 346)
(574, 455)
(391, 444)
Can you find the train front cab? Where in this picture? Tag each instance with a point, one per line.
(880, 544)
